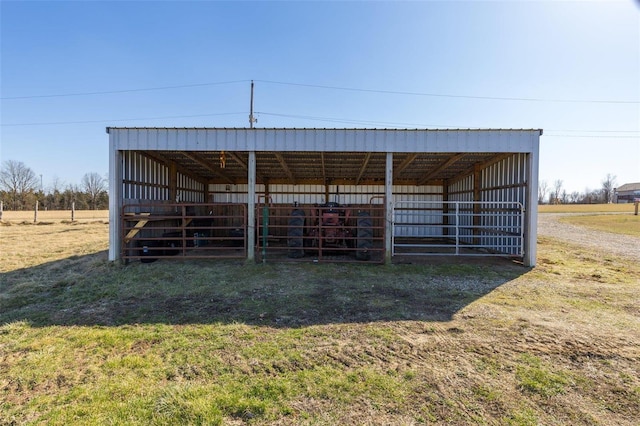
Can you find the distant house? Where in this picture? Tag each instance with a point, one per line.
(627, 193)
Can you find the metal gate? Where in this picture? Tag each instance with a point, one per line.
(453, 228)
(152, 231)
(320, 233)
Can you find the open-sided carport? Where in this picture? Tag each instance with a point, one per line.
(215, 192)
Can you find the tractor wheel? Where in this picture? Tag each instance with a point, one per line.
(294, 234)
(364, 242)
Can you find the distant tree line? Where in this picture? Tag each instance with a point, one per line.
(556, 194)
(20, 188)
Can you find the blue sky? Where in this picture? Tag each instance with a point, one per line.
(570, 68)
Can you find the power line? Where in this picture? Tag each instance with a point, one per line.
(442, 95)
(391, 124)
(118, 119)
(403, 124)
(319, 86)
(353, 121)
(592, 136)
(107, 92)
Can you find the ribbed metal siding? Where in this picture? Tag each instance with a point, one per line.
(146, 179)
(410, 201)
(463, 191)
(505, 181)
(350, 195)
(143, 178)
(327, 140)
(190, 190)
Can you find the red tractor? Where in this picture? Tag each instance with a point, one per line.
(331, 229)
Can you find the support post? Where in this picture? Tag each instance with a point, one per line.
(35, 213)
(73, 211)
(477, 176)
(1, 208)
(251, 207)
(173, 182)
(115, 200)
(531, 208)
(388, 197)
(445, 207)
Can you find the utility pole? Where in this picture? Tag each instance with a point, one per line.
(251, 119)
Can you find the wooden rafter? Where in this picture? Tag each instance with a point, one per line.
(482, 165)
(443, 166)
(405, 163)
(285, 167)
(244, 165)
(238, 160)
(493, 160)
(363, 168)
(207, 165)
(156, 156)
(324, 170)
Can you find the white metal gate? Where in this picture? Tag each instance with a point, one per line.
(469, 228)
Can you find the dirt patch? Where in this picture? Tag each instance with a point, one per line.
(616, 244)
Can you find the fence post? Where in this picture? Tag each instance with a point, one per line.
(635, 203)
(35, 213)
(73, 211)
(1, 208)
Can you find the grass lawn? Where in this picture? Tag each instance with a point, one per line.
(586, 208)
(87, 342)
(627, 224)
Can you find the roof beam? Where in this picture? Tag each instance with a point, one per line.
(238, 160)
(157, 156)
(482, 165)
(363, 168)
(443, 166)
(244, 165)
(405, 163)
(207, 165)
(285, 167)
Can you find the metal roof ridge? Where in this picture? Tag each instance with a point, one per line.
(443, 129)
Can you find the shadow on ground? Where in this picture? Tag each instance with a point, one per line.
(89, 290)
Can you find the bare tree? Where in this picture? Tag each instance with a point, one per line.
(608, 187)
(556, 192)
(94, 185)
(18, 181)
(574, 197)
(543, 188)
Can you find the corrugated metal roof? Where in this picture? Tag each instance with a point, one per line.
(325, 156)
(629, 187)
(323, 140)
(326, 128)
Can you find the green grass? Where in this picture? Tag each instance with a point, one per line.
(536, 378)
(87, 342)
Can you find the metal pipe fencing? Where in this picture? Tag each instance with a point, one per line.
(470, 228)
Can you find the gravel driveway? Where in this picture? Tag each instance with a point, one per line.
(620, 245)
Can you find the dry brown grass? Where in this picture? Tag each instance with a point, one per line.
(28, 245)
(626, 224)
(586, 208)
(88, 342)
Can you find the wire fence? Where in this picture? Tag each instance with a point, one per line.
(40, 216)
